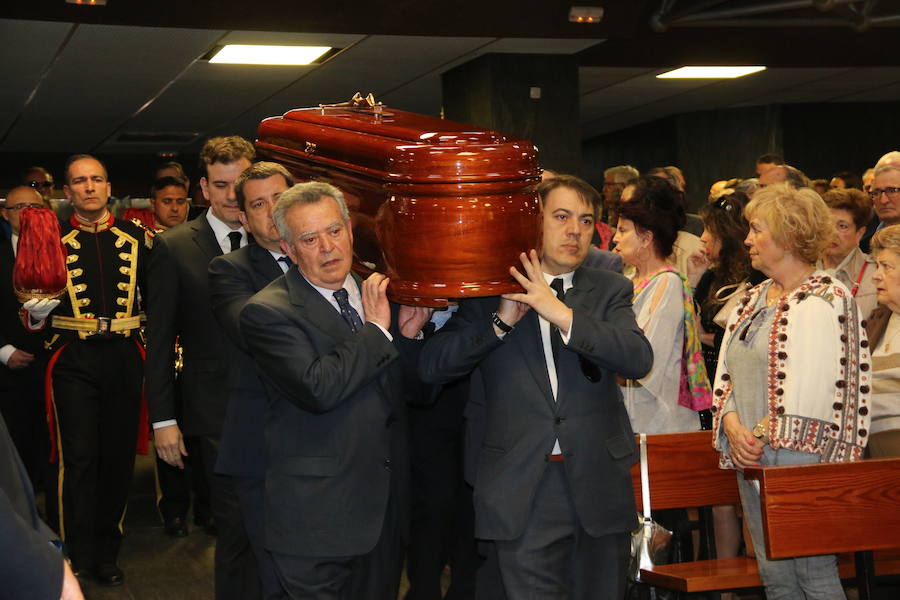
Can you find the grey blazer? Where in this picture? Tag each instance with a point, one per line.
(522, 417)
(336, 425)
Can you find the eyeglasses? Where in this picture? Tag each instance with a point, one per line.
(40, 184)
(26, 205)
(892, 192)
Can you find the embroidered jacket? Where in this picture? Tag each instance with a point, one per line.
(105, 263)
(819, 372)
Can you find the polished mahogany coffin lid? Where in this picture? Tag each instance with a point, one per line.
(398, 146)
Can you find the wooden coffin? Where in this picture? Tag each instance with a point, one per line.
(443, 208)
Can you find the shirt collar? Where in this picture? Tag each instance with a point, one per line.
(349, 285)
(220, 228)
(566, 277)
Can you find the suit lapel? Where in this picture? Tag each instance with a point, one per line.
(264, 263)
(321, 313)
(205, 237)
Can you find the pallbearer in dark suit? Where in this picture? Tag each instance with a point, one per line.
(327, 349)
(553, 487)
(233, 279)
(178, 306)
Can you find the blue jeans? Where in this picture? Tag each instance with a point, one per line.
(810, 577)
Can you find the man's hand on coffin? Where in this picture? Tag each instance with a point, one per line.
(538, 294)
(411, 319)
(375, 302)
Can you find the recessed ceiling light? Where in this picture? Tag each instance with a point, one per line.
(87, 2)
(709, 72)
(245, 54)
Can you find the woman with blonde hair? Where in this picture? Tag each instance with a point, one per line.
(793, 382)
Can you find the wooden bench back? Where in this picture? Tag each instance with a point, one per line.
(830, 508)
(684, 472)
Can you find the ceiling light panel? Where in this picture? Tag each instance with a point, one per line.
(246, 54)
(709, 72)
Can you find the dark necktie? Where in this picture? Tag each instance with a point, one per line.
(235, 238)
(555, 337)
(287, 262)
(348, 312)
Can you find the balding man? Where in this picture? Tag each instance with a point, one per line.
(885, 194)
(21, 352)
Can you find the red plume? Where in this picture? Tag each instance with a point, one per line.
(40, 270)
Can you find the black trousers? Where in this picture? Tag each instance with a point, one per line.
(251, 496)
(97, 394)
(372, 576)
(176, 486)
(23, 409)
(236, 572)
(555, 559)
(442, 526)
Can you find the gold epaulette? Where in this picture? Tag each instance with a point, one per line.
(149, 232)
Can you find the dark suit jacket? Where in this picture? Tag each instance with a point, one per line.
(603, 259)
(11, 329)
(31, 567)
(178, 306)
(233, 279)
(336, 425)
(523, 419)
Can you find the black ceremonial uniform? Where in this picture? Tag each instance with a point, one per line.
(96, 368)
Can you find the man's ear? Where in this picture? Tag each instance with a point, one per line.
(204, 187)
(242, 217)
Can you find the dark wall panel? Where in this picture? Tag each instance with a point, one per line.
(822, 139)
(493, 91)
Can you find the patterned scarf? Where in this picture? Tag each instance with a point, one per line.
(694, 391)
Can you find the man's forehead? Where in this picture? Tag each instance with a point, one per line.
(276, 180)
(86, 166)
(23, 195)
(567, 198)
(222, 168)
(171, 191)
(888, 177)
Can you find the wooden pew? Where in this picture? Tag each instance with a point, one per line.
(684, 472)
(833, 508)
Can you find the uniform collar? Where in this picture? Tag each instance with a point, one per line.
(103, 224)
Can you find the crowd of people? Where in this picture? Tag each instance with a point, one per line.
(327, 436)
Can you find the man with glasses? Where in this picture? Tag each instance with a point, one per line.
(885, 194)
(21, 353)
(41, 180)
(614, 180)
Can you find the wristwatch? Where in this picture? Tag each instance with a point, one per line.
(496, 320)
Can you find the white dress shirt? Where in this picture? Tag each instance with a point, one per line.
(221, 231)
(354, 296)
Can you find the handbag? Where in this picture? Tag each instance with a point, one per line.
(731, 295)
(651, 542)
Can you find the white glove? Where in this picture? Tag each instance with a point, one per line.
(40, 309)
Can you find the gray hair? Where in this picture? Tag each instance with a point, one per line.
(305, 193)
(621, 173)
(747, 186)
